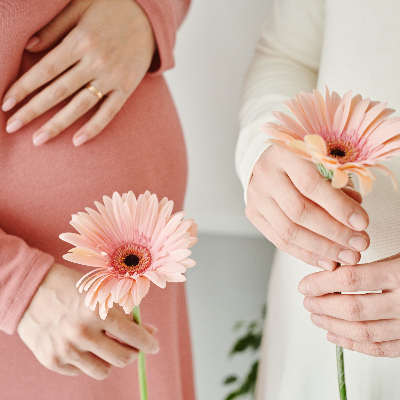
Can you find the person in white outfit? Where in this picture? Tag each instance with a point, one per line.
(341, 44)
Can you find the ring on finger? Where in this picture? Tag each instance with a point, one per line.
(94, 90)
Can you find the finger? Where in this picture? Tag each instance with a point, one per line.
(58, 27)
(308, 214)
(63, 87)
(266, 229)
(131, 333)
(111, 351)
(355, 307)
(351, 192)
(312, 185)
(91, 365)
(78, 106)
(54, 364)
(364, 277)
(48, 68)
(107, 111)
(304, 238)
(384, 349)
(363, 332)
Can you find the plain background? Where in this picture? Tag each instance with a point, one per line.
(229, 283)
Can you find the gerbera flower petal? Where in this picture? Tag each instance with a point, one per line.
(167, 230)
(129, 304)
(291, 149)
(77, 240)
(124, 285)
(370, 116)
(290, 123)
(175, 256)
(319, 105)
(157, 278)
(301, 116)
(188, 263)
(84, 260)
(316, 143)
(173, 277)
(388, 173)
(307, 103)
(106, 288)
(365, 183)
(151, 216)
(142, 287)
(88, 252)
(340, 178)
(358, 115)
(171, 267)
(109, 206)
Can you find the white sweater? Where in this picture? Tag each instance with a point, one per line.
(344, 44)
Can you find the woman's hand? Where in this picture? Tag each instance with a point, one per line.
(296, 209)
(108, 44)
(366, 323)
(69, 338)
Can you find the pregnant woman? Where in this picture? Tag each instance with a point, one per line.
(86, 112)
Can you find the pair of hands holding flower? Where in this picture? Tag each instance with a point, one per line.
(297, 210)
(105, 43)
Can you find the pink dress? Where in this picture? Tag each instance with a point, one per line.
(142, 149)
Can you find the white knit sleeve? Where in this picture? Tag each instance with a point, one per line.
(286, 61)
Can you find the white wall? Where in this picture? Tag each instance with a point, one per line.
(214, 48)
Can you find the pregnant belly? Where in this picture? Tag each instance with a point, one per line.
(40, 187)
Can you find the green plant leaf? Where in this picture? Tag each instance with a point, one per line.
(249, 341)
(230, 379)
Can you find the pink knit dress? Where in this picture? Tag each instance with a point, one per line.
(40, 187)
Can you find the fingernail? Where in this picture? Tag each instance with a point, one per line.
(150, 327)
(9, 104)
(358, 243)
(325, 265)
(14, 126)
(332, 338)
(358, 221)
(156, 350)
(32, 42)
(80, 140)
(316, 319)
(41, 138)
(308, 303)
(304, 287)
(347, 256)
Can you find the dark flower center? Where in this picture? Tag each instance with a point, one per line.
(338, 153)
(131, 260)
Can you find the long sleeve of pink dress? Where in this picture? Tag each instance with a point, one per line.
(41, 187)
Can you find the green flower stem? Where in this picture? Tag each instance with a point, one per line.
(340, 373)
(141, 361)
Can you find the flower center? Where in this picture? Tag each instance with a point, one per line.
(343, 150)
(131, 258)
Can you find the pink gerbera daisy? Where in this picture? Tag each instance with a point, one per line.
(130, 242)
(341, 135)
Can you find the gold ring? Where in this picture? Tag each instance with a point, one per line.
(94, 90)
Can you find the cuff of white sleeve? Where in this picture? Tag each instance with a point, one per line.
(250, 158)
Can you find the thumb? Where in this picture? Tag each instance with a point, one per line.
(58, 27)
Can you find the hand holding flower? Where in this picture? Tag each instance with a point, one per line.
(297, 210)
(366, 323)
(68, 338)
